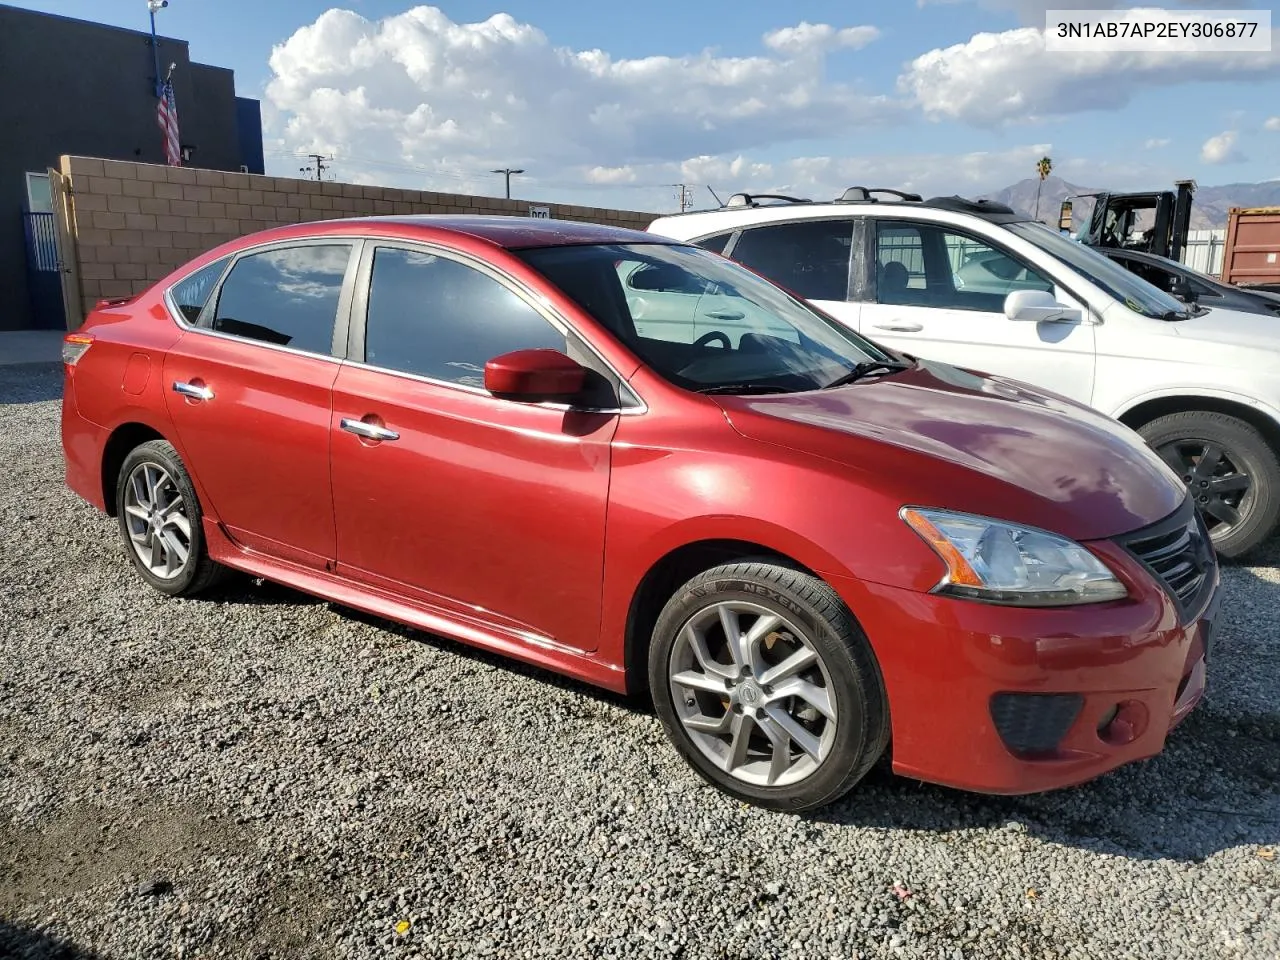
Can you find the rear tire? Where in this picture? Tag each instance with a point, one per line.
(1229, 468)
(793, 713)
(161, 521)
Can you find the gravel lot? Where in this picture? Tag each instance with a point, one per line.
(261, 774)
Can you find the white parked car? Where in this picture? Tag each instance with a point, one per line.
(975, 285)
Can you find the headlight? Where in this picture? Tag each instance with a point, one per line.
(1009, 564)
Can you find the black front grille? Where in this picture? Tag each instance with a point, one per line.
(1180, 555)
(1033, 724)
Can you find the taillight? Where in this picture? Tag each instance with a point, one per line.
(74, 346)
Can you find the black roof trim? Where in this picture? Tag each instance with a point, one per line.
(986, 209)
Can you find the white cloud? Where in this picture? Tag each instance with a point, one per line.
(419, 93)
(1273, 124)
(1222, 149)
(996, 78)
(807, 37)
(1156, 143)
(611, 175)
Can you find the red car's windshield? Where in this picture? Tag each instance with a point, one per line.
(702, 321)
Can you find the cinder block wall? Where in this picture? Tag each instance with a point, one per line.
(135, 222)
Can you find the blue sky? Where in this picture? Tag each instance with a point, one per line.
(904, 94)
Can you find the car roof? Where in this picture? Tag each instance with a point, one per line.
(749, 212)
(512, 233)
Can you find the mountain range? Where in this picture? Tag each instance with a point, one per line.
(1208, 209)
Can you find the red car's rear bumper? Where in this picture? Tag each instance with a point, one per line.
(82, 446)
(972, 685)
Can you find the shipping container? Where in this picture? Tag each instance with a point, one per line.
(1252, 254)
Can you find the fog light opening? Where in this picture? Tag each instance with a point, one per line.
(1122, 723)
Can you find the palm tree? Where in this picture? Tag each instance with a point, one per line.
(1044, 166)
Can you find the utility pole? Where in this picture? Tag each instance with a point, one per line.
(684, 196)
(507, 172)
(319, 164)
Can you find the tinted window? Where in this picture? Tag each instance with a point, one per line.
(442, 319)
(811, 259)
(929, 266)
(192, 293)
(716, 244)
(287, 296)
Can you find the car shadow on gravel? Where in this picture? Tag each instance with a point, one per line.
(1214, 788)
(22, 943)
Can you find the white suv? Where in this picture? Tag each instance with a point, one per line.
(976, 285)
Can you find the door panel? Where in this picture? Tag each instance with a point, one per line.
(249, 392)
(939, 295)
(260, 443)
(492, 509)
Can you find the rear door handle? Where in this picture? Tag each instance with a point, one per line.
(725, 315)
(192, 390)
(900, 327)
(370, 431)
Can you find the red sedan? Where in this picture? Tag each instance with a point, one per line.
(636, 463)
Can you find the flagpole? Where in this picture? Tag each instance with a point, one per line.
(152, 7)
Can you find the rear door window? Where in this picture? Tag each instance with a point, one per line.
(286, 296)
(809, 258)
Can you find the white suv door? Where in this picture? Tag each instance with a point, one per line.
(938, 293)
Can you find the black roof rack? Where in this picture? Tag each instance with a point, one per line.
(987, 209)
(864, 195)
(752, 199)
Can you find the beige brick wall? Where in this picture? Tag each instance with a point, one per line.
(135, 222)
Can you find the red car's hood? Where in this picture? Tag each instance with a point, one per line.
(939, 436)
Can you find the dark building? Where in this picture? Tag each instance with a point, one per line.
(74, 87)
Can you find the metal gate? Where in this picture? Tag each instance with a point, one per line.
(44, 278)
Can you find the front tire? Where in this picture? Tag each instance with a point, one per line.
(767, 686)
(160, 521)
(1230, 469)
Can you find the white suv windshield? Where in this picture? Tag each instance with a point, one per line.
(703, 322)
(1134, 292)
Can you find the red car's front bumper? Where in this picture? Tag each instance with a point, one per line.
(971, 686)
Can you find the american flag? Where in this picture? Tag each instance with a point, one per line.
(167, 117)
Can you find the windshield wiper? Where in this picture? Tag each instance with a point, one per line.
(866, 369)
(741, 388)
(1176, 315)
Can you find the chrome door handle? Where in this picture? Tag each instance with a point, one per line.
(900, 327)
(370, 431)
(725, 315)
(192, 390)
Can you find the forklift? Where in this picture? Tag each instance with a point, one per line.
(1115, 221)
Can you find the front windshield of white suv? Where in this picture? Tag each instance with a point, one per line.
(1131, 290)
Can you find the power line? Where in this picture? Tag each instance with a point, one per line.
(319, 163)
(684, 196)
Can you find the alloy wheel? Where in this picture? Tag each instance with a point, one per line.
(157, 520)
(1218, 485)
(753, 694)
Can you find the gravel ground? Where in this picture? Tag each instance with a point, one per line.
(261, 774)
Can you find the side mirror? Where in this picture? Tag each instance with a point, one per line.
(531, 376)
(1037, 306)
